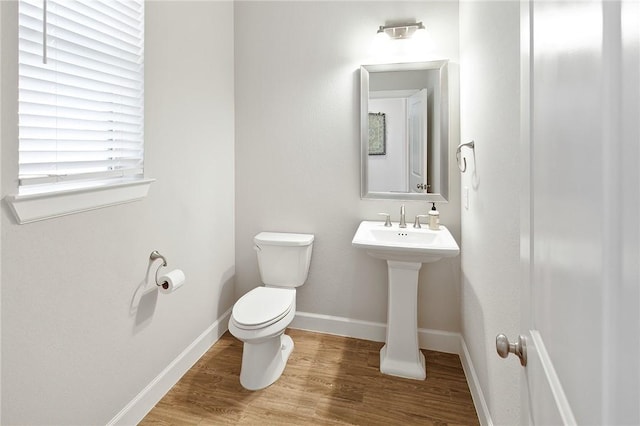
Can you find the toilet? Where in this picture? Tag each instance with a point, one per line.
(260, 317)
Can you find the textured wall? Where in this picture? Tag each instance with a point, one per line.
(298, 149)
(80, 336)
(489, 114)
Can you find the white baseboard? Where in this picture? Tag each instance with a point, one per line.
(435, 340)
(142, 403)
(484, 416)
(339, 326)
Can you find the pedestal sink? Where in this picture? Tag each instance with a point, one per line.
(405, 250)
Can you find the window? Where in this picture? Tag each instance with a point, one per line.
(81, 95)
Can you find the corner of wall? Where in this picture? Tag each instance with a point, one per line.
(148, 397)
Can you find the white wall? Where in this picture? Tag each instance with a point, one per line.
(79, 341)
(298, 149)
(489, 114)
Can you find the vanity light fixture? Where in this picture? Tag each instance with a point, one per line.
(400, 31)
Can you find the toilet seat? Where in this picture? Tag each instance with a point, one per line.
(262, 307)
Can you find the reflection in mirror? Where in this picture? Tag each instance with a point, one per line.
(404, 131)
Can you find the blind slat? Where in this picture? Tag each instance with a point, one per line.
(106, 19)
(75, 102)
(95, 179)
(37, 109)
(36, 145)
(116, 58)
(116, 67)
(79, 78)
(71, 159)
(71, 167)
(49, 88)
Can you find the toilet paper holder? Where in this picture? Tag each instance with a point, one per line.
(155, 255)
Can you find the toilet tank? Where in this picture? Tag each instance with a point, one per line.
(283, 258)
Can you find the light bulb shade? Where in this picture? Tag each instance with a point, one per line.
(401, 31)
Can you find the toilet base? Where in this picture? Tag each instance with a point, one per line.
(263, 363)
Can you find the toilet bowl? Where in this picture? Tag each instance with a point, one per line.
(260, 317)
(261, 327)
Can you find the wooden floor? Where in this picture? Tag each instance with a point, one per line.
(329, 380)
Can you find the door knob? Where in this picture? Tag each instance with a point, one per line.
(504, 347)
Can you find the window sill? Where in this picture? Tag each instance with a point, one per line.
(36, 207)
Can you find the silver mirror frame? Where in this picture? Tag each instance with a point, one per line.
(442, 66)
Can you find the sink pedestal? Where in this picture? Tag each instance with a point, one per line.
(404, 250)
(401, 356)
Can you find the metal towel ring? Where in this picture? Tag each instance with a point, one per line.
(464, 160)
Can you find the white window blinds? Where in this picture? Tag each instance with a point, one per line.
(80, 93)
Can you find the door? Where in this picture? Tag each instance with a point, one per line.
(580, 213)
(417, 136)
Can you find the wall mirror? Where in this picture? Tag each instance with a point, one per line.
(404, 123)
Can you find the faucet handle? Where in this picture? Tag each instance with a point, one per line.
(387, 222)
(416, 224)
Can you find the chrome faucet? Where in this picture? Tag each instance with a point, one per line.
(403, 222)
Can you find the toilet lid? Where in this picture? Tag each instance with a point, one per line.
(263, 306)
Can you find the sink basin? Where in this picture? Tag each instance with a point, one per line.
(405, 250)
(408, 244)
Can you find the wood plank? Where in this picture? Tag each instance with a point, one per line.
(329, 380)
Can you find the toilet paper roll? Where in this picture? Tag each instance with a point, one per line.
(171, 281)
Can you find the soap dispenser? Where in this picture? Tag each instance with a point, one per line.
(434, 218)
